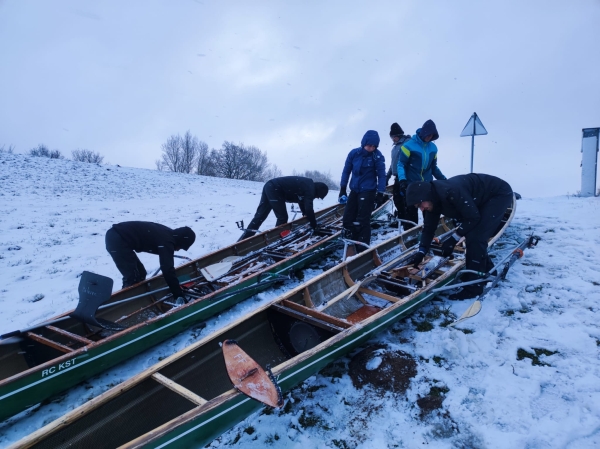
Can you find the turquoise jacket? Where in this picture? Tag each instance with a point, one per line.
(417, 161)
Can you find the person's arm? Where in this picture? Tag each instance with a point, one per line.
(167, 266)
(403, 156)
(430, 222)
(435, 170)
(346, 172)
(380, 170)
(309, 211)
(464, 204)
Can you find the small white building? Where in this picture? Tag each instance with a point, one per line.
(589, 161)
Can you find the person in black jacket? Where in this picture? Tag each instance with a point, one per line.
(125, 239)
(478, 202)
(288, 189)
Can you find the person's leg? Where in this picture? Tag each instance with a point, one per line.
(477, 258)
(411, 214)
(262, 212)
(362, 223)
(277, 202)
(350, 211)
(124, 258)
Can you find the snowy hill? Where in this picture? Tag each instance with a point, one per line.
(525, 372)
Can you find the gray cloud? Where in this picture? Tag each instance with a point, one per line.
(304, 81)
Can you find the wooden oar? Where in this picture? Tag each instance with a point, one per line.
(216, 270)
(517, 253)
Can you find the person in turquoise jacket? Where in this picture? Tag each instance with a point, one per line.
(417, 161)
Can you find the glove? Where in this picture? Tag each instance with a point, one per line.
(418, 259)
(343, 197)
(315, 229)
(448, 246)
(402, 185)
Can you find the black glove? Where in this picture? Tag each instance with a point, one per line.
(418, 259)
(402, 185)
(380, 198)
(314, 229)
(448, 246)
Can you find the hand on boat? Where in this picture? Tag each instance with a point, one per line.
(418, 259)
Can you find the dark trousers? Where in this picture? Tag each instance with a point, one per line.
(125, 259)
(357, 215)
(270, 200)
(491, 213)
(405, 211)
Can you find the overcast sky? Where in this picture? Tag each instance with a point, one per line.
(303, 80)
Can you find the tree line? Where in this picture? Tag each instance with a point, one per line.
(188, 154)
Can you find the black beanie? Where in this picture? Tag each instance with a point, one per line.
(396, 130)
(419, 191)
(184, 237)
(321, 190)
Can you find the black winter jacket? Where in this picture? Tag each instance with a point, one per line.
(298, 189)
(459, 197)
(154, 238)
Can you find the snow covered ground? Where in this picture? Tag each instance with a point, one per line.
(53, 216)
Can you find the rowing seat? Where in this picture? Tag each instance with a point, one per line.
(362, 314)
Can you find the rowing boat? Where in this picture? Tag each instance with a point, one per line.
(187, 399)
(44, 360)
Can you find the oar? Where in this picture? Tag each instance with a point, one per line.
(512, 257)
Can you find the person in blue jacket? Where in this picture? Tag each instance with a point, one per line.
(367, 186)
(417, 161)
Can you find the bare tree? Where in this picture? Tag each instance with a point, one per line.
(87, 156)
(189, 151)
(204, 165)
(42, 151)
(9, 150)
(240, 162)
(272, 172)
(318, 176)
(184, 154)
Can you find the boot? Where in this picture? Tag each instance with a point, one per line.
(246, 234)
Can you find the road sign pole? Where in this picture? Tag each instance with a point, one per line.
(472, 151)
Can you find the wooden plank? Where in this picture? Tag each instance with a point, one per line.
(311, 312)
(48, 342)
(363, 313)
(376, 259)
(350, 282)
(308, 299)
(381, 295)
(309, 319)
(79, 338)
(179, 389)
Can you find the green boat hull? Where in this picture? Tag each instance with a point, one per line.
(211, 424)
(45, 383)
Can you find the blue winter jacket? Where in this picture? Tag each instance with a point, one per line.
(418, 160)
(367, 169)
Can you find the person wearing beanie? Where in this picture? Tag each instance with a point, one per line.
(366, 164)
(125, 239)
(417, 161)
(398, 138)
(478, 202)
(287, 189)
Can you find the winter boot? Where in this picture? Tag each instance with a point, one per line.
(246, 234)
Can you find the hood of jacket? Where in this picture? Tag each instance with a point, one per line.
(184, 237)
(371, 137)
(427, 129)
(420, 191)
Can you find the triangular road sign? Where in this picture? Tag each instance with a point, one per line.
(474, 127)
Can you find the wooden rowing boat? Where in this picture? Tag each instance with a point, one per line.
(187, 399)
(54, 356)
